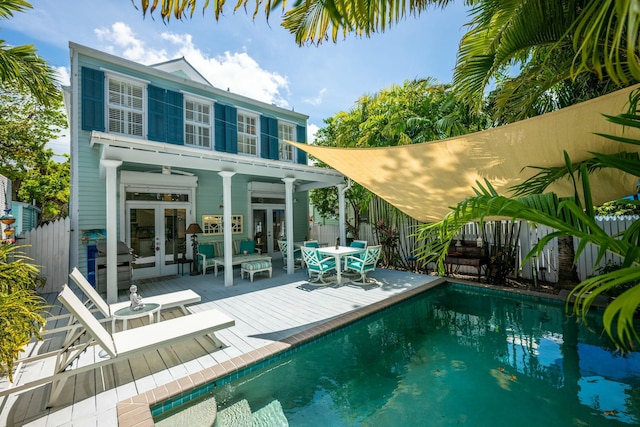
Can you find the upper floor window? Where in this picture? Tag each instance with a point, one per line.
(286, 131)
(247, 134)
(125, 107)
(197, 123)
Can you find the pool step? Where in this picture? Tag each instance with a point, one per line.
(239, 415)
(270, 416)
(236, 415)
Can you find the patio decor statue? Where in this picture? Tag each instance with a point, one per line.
(136, 300)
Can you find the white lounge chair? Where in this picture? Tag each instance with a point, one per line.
(102, 348)
(170, 300)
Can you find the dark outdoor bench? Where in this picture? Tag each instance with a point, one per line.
(468, 253)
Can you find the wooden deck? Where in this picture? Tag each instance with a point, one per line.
(266, 312)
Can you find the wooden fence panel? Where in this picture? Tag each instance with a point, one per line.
(48, 246)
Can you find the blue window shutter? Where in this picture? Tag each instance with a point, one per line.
(219, 127)
(268, 138)
(232, 129)
(264, 137)
(175, 118)
(92, 99)
(274, 153)
(302, 137)
(157, 114)
(226, 128)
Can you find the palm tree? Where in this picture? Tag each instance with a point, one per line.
(21, 67)
(550, 41)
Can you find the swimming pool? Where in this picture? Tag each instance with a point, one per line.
(450, 356)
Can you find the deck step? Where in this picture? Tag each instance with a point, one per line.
(236, 415)
(270, 416)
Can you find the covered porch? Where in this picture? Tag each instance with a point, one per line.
(206, 182)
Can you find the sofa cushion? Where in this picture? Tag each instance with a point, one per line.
(219, 248)
(256, 265)
(247, 245)
(206, 250)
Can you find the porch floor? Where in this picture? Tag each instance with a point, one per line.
(266, 311)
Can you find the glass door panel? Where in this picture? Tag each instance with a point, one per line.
(175, 241)
(157, 237)
(268, 226)
(142, 237)
(278, 226)
(259, 229)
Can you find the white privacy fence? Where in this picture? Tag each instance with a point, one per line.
(48, 246)
(546, 264)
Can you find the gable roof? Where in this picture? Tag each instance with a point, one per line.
(181, 67)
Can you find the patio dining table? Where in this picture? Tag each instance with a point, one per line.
(338, 253)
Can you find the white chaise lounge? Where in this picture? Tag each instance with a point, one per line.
(170, 300)
(103, 348)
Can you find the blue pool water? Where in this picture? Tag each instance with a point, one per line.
(451, 356)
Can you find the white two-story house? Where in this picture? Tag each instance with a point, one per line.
(157, 148)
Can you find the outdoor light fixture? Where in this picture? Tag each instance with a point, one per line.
(194, 229)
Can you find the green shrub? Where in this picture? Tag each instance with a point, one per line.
(21, 309)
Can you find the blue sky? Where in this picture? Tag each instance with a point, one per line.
(255, 58)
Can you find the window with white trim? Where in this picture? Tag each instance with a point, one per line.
(125, 106)
(286, 131)
(247, 134)
(197, 123)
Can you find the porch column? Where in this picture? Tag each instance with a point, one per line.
(111, 172)
(341, 214)
(226, 227)
(288, 220)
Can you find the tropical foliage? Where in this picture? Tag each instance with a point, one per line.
(26, 126)
(21, 67)
(573, 216)
(20, 307)
(553, 39)
(30, 102)
(418, 111)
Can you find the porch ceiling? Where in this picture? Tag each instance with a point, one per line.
(139, 151)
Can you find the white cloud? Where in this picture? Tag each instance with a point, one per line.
(236, 71)
(312, 129)
(318, 99)
(63, 76)
(121, 41)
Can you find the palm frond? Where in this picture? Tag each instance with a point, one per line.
(503, 34)
(605, 38)
(546, 176)
(7, 7)
(619, 315)
(22, 67)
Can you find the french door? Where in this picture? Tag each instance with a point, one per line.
(268, 226)
(157, 236)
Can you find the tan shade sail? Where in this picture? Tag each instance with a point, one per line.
(424, 180)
